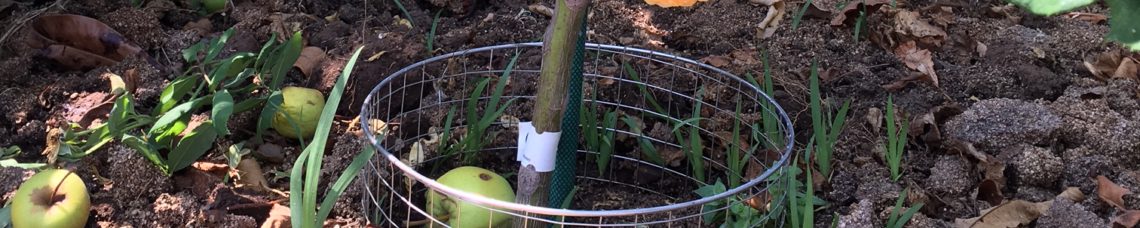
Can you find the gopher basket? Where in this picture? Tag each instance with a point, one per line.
(644, 152)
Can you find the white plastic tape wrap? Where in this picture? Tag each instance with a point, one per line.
(537, 149)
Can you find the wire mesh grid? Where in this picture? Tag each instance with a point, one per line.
(417, 115)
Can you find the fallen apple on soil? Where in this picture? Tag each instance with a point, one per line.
(464, 214)
(301, 105)
(51, 198)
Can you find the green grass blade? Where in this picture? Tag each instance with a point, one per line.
(446, 136)
(407, 15)
(431, 34)
(646, 145)
(608, 142)
(799, 15)
(315, 150)
(501, 85)
(641, 87)
(345, 179)
(893, 218)
(907, 215)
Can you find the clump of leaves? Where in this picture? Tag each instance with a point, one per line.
(825, 128)
(306, 171)
(896, 219)
(478, 123)
(691, 145)
(896, 140)
(1122, 18)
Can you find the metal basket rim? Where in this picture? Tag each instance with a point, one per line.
(530, 209)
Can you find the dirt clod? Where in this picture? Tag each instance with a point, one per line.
(1034, 166)
(991, 124)
(953, 176)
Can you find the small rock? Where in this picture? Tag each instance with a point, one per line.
(1034, 166)
(953, 176)
(921, 221)
(991, 124)
(862, 215)
(1066, 213)
(270, 152)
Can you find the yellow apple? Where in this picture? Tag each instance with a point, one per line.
(303, 106)
(465, 214)
(51, 198)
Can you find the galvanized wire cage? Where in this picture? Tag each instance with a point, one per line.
(408, 113)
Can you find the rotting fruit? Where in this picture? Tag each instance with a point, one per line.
(301, 105)
(474, 180)
(51, 198)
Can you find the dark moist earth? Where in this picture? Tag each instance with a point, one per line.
(1029, 102)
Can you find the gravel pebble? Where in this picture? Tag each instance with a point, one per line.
(1065, 213)
(1082, 171)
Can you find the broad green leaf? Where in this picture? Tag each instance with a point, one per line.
(174, 92)
(145, 149)
(12, 163)
(262, 55)
(248, 104)
(1125, 23)
(267, 113)
(217, 45)
(190, 54)
(192, 147)
(285, 61)
(223, 108)
(174, 114)
(1051, 7)
(117, 120)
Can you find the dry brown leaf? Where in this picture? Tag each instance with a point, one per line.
(918, 59)
(541, 9)
(1127, 219)
(1126, 70)
(990, 191)
(51, 148)
(717, 60)
(1072, 194)
(278, 217)
(1103, 65)
(744, 56)
(908, 26)
(1093, 18)
(79, 42)
(1110, 192)
(926, 128)
(1008, 11)
(901, 83)
(851, 11)
(942, 15)
(250, 175)
(310, 58)
(202, 27)
(1006, 215)
(776, 11)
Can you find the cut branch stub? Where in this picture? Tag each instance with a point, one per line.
(78, 42)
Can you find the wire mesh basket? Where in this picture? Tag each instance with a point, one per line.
(417, 116)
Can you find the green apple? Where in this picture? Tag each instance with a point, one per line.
(303, 106)
(51, 198)
(465, 214)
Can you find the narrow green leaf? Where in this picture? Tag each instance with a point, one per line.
(430, 39)
(192, 147)
(646, 145)
(12, 163)
(608, 142)
(906, 215)
(146, 150)
(799, 15)
(174, 92)
(248, 104)
(223, 108)
(446, 136)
